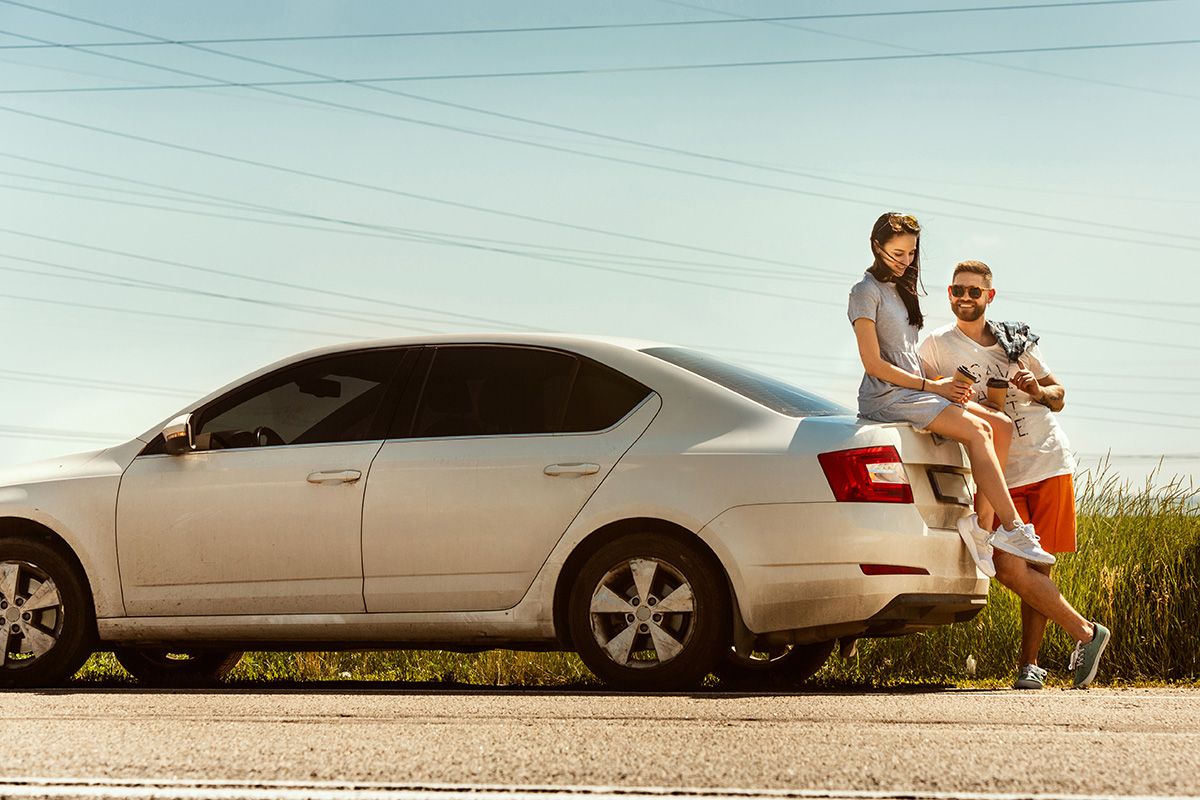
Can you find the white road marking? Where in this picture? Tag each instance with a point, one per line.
(334, 790)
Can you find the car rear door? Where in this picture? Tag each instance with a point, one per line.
(265, 516)
(503, 448)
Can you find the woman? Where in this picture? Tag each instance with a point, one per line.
(886, 315)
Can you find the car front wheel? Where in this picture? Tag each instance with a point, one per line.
(161, 667)
(46, 614)
(649, 612)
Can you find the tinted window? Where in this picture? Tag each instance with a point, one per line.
(498, 391)
(763, 389)
(600, 398)
(329, 400)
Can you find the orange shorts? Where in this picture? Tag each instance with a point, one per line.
(1050, 506)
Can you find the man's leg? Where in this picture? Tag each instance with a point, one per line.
(1050, 505)
(1036, 589)
(1033, 625)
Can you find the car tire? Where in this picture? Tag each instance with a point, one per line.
(618, 628)
(49, 622)
(788, 666)
(164, 667)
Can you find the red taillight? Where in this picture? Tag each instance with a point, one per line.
(867, 475)
(891, 569)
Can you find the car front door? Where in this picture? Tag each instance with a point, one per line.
(264, 517)
(505, 446)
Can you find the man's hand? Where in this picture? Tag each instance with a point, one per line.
(1047, 391)
(1023, 379)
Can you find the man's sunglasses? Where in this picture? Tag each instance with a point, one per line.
(974, 291)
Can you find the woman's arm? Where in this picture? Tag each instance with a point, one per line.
(877, 367)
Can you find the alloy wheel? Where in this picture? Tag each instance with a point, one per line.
(31, 610)
(642, 613)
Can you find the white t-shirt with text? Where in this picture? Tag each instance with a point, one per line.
(1040, 449)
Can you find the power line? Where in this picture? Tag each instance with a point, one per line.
(1133, 410)
(365, 83)
(586, 262)
(251, 278)
(583, 262)
(1144, 456)
(410, 234)
(91, 383)
(23, 432)
(443, 238)
(397, 192)
(164, 315)
(787, 62)
(1138, 422)
(135, 283)
(985, 62)
(566, 28)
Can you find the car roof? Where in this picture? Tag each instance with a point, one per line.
(567, 341)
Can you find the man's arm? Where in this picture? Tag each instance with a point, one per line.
(1047, 390)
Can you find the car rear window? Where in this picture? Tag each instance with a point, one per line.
(771, 392)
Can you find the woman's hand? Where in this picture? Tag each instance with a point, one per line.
(952, 390)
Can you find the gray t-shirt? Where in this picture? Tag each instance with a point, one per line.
(875, 300)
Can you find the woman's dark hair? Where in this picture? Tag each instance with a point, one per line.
(886, 228)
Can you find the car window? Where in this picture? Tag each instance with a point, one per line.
(763, 389)
(600, 398)
(328, 400)
(498, 391)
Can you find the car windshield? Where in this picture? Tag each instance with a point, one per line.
(762, 389)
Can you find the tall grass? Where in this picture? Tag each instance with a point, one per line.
(1137, 570)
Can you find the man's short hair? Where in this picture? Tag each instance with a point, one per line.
(975, 268)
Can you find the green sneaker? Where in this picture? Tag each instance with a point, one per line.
(1030, 676)
(1086, 658)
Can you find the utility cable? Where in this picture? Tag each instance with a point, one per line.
(411, 120)
(573, 71)
(569, 28)
(893, 45)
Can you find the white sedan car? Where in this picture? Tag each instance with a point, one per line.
(659, 511)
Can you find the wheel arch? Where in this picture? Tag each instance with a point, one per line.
(25, 528)
(611, 532)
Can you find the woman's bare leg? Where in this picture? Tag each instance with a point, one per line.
(974, 433)
(1002, 428)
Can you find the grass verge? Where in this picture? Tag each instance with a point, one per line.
(1137, 571)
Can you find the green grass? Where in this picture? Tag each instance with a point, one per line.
(1137, 571)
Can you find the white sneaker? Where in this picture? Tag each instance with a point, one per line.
(1022, 542)
(976, 540)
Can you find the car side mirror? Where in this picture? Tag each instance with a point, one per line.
(177, 436)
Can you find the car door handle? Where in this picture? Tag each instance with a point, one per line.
(335, 476)
(556, 470)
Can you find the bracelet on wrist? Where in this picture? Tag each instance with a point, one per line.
(922, 384)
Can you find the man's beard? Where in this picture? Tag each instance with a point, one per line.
(969, 314)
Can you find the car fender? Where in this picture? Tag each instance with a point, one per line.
(75, 499)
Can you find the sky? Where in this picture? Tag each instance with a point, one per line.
(710, 184)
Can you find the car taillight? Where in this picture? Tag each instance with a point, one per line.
(867, 475)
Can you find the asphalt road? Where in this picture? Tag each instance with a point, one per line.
(1054, 742)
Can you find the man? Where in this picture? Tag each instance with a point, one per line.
(1038, 468)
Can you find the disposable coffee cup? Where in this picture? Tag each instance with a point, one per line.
(997, 391)
(965, 376)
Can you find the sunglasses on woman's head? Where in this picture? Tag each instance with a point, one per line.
(974, 291)
(900, 223)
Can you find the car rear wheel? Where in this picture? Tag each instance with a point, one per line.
(46, 614)
(649, 612)
(775, 665)
(163, 667)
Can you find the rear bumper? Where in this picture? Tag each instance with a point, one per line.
(795, 569)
